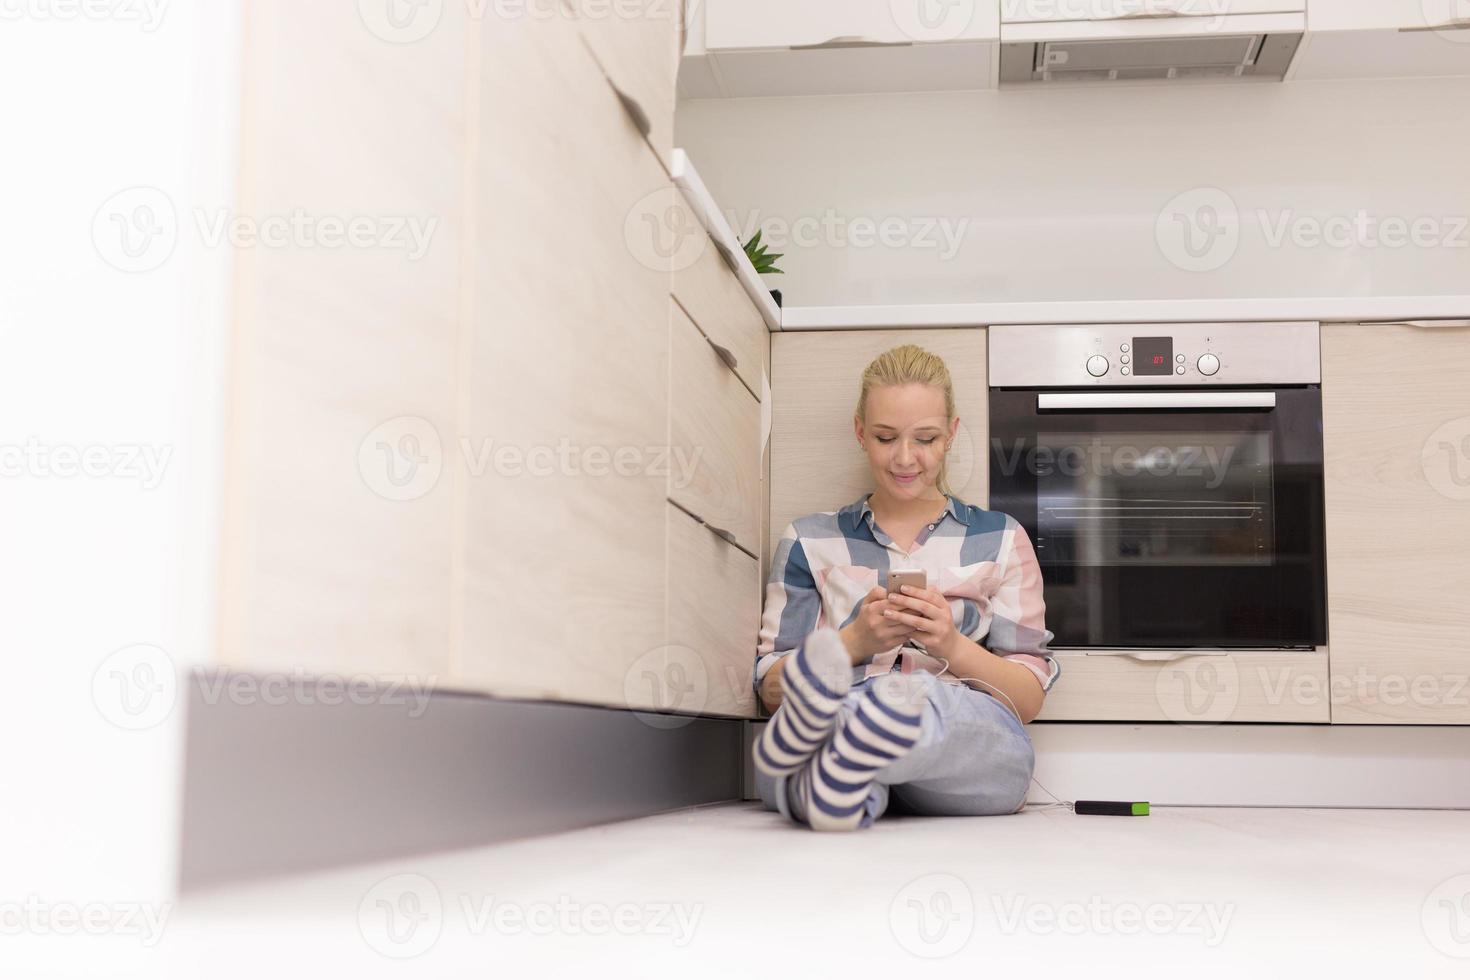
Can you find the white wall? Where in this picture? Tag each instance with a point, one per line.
(1066, 194)
(120, 122)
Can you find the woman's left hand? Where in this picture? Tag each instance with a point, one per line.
(928, 611)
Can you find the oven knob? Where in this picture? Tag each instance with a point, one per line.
(1097, 365)
(1208, 364)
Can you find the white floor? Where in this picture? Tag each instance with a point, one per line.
(733, 889)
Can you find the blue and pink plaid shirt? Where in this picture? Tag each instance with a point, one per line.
(981, 560)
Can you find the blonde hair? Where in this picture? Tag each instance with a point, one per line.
(911, 364)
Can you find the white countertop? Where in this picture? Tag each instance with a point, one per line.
(1347, 309)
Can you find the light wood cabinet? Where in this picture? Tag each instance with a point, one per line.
(636, 43)
(1396, 443)
(565, 364)
(348, 243)
(816, 463)
(714, 621)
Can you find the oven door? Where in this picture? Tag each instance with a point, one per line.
(1170, 517)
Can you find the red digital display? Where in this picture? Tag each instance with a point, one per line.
(1153, 355)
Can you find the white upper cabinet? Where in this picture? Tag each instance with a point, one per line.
(735, 25)
(1048, 11)
(1385, 39)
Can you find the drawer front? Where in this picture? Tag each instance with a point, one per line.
(564, 372)
(713, 297)
(749, 24)
(1263, 686)
(714, 621)
(714, 434)
(636, 42)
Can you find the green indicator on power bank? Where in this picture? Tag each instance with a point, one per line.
(1110, 808)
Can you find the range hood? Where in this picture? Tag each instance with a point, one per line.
(1161, 49)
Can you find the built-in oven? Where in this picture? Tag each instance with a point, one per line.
(1170, 478)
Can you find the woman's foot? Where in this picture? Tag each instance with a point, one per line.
(832, 789)
(814, 683)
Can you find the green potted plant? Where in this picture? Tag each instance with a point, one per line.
(764, 261)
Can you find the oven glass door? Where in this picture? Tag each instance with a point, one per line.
(1169, 518)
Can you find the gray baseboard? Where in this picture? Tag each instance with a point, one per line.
(294, 786)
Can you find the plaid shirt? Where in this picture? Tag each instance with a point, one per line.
(981, 560)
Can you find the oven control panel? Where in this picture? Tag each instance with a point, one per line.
(1154, 354)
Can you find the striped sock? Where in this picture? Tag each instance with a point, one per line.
(814, 682)
(832, 790)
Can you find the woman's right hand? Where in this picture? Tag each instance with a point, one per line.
(871, 632)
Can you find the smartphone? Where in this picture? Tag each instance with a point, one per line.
(899, 577)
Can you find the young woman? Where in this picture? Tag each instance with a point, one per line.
(914, 701)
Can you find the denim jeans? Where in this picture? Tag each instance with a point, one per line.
(973, 758)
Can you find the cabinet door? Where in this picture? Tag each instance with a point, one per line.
(565, 381)
(752, 24)
(347, 238)
(636, 42)
(816, 464)
(1040, 11)
(1396, 439)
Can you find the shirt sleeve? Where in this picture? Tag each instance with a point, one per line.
(793, 605)
(1018, 613)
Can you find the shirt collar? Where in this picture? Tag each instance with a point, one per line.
(858, 511)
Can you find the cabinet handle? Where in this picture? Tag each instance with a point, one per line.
(1453, 24)
(722, 533)
(1157, 655)
(1144, 13)
(634, 109)
(726, 355)
(850, 41)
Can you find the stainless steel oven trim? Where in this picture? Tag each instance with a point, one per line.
(1068, 401)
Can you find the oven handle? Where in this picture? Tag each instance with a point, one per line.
(1157, 655)
(1075, 401)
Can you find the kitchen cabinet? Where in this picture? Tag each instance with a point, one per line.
(751, 48)
(637, 47)
(566, 346)
(1050, 11)
(816, 464)
(338, 500)
(1385, 39)
(450, 454)
(1396, 440)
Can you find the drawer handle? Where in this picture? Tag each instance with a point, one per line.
(726, 355)
(722, 533)
(850, 41)
(634, 110)
(1158, 655)
(1453, 24)
(1423, 324)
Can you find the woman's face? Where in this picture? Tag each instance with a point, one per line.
(906, 438)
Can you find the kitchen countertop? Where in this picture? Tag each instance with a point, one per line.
(1343, 309)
